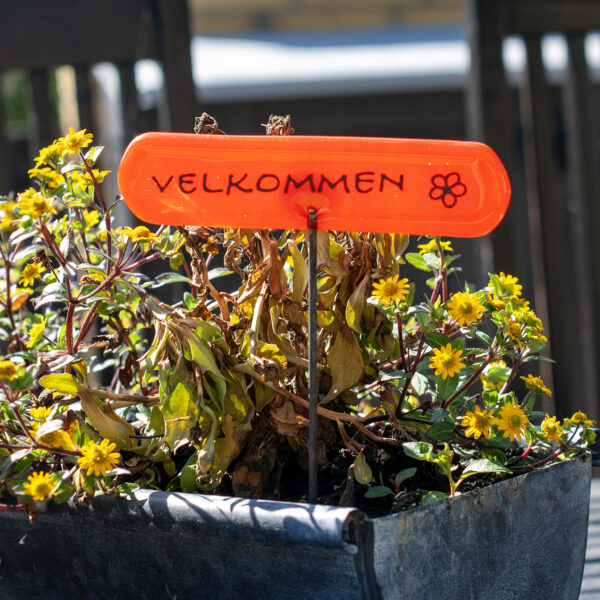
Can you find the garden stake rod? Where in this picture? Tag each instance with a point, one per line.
(312, 357)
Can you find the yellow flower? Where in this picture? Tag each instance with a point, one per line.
(48, 176)
(98, 458)
(32, 203)
(495, 302)
(535, 384)
(512, 421)
(91, 218)
(478, 423)
(431, 246)
(58, 438)
(579, 418)
(465, 308)
(509, 284)
(513, 330)
(8, 370)
(82, 180)
(446, 361)
(392, 289)
(48, 155)
(40, 485)
(36, 332)
(40, 413)
(31, 272)
(73, 142)
(553, 429)
(494, 375)
(140, 234)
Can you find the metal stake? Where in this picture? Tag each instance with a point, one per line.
(312, 356)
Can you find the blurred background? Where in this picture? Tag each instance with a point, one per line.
(520, 75)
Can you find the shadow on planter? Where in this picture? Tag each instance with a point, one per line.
(522, 538)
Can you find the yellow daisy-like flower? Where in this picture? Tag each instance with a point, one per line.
(513, 331)
(535, 384)
(495, 302)
(431, 246)
(391, 290)
(553, 429)
(32, 203)
(447, 361)
(82, 179)
(36, 333)
(48, 155)
(31, 272)
(512, 421)
(98, 458)
(73, 142)
(39, 486)
(510, 285)
(491, 379)
(140, 234)
(580, 418)
(40, 413)
(51, 178)
(8, 370)
(465, 308)
(91, 218)
(478, 423)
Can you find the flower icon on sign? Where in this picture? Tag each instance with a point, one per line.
(447, 188)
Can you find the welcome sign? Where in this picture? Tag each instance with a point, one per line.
(378, 185)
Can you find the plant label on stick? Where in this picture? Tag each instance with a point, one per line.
(377, 185)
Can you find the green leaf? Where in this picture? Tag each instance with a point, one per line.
(65, 383)
(404, 475)
(362, 471)
(345, 363)
(442, 431)
(485, 465)
(432, 497)
(356, 305)
(181, 414)
(447, 387)
(218, 272)
(419, 384)
(494, 455)
(166, 278)
(187, 475)
(378, 491)
(432, 260)
(418, 450)
(417, 260)
(436, 339)
(300, 276)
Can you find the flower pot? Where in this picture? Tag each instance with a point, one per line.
(521, 538)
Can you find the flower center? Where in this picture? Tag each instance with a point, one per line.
(515, 421)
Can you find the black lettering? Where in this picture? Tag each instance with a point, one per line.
(237, 184)
(297, 184)
(187, 179)
(385, 178)
(360, 180)
(162, 188)
(332, 185)
(205, 185)
(260, 179)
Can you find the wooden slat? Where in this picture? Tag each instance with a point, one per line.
(547, 16)
(491, 119)
(38, 33)
(41, 119)
(542, 187)
(129, 100)
(584, 212)
(84, 97)
(174, 43)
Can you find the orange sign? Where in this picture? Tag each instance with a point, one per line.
(377, 185)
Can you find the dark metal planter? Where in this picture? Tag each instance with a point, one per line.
(522, 538)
